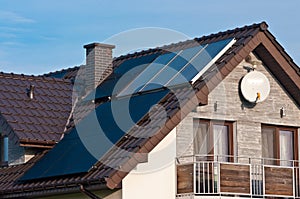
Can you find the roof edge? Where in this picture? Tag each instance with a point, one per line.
(35, 77)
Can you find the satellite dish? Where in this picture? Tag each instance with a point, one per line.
(255, 87)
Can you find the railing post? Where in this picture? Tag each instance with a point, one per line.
(293, 180)
(219, 178)
(263, 180)
(250, 170)
(194, 176)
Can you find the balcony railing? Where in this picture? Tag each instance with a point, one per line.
(238, 176)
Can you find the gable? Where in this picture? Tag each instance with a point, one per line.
(226, 100)
(226, 103)
(285, 71)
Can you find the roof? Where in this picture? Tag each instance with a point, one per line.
(68, 73)
(38, 121)
(101, 126)
(140, 139)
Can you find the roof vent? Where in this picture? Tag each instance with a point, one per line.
(30, 91)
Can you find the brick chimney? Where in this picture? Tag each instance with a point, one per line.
(98, 63)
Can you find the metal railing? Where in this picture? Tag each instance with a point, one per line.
(239, 176)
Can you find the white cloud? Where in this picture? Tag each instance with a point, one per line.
(14, 17)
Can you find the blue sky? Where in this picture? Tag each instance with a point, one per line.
(38, 36)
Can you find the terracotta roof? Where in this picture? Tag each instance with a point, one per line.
(40, 120)
(116, 164)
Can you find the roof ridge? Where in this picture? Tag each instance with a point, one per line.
(262, 26)
(61, 70)
(24, 76)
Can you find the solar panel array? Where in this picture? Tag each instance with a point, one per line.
(176, 68)
(98, 132)
(93, 136)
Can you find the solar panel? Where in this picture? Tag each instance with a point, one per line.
(177, 68)
(154, 68)
(93, 137)
(168, 72)
(211, 54)
(109, 88)
(189, 70)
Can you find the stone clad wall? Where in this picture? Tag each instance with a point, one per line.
(247, 120)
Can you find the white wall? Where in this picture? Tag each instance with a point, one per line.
(156, 178)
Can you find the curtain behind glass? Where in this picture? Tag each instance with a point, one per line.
(201, 140)
(221, 148)
(286, 148)
(268, 145)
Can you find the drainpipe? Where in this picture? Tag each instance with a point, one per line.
(88, 193)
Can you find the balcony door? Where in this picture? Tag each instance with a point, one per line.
(213, 140)
(279, 145)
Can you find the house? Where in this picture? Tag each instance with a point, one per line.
(213, 117)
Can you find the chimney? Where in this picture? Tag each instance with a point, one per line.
(98, 63)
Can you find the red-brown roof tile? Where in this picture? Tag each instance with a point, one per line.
(42, 118)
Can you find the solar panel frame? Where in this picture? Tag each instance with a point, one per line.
(213, 60)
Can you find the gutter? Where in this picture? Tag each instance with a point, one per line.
(53, 192)
(88, 193)
(37, 143)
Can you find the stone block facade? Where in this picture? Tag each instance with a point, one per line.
(225, 103)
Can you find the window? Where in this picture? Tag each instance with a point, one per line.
(279, 145)
(213, 139)
(3, 150)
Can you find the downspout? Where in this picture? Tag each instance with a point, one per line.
(88, 193)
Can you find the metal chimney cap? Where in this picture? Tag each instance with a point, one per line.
(93, 45)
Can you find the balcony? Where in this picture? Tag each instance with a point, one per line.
(215, 177)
